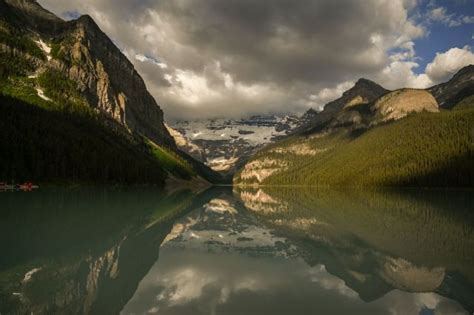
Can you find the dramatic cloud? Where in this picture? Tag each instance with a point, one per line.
(238, 57)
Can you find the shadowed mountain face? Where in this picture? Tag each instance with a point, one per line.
(290, 251)
(364, 92)
(455, 90)
(78, 50)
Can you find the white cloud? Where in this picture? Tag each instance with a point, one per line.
(143, 58)
(468, 19)
(401, 74)
(444, 65)
(440, 14)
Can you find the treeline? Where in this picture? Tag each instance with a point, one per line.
(53, 146)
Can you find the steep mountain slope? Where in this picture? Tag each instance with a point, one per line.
(74, 68)
(371, 149)
(458, 88)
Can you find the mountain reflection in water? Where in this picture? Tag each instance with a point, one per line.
(262, 251)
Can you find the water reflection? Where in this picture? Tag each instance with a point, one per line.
(277, 251)
(81, 251)
(299, 252)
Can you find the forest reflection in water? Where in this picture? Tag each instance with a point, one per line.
(252, 251)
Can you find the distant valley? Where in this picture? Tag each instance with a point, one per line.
(225, 144)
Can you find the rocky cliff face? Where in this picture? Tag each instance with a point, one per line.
(79, 51)
(29, 14)
(398, 104)
(459, 87)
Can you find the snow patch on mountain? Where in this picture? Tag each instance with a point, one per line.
(255, 130)
(224, 143)
(41, 94)
(45, 48)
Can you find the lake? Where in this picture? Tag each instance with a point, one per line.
(236, 251)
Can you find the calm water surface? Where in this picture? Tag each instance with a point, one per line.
(224, 251)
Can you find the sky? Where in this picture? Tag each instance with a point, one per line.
(236, 58)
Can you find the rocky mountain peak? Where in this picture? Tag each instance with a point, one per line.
(365, 82)
(30, 14)
(364, 91)
(87, 22)
(85, 55)
(365, 88)
(310, 113)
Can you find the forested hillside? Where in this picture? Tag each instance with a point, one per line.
(41, 144)
(425, 149)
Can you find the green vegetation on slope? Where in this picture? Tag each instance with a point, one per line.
(466, 103)
(172, 162)
(11, 65)
(427, 149)
(53, 146)
(16, 39)
(63, 91)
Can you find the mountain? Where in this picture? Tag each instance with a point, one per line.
(361, 95)
(455, 90)
(73, 67)
(399, 139)
(225, 144)
(79, 51)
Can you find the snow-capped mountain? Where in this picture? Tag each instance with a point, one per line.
(223, 144)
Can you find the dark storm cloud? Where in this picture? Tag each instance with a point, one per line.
(237, 57)
(281, 40)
